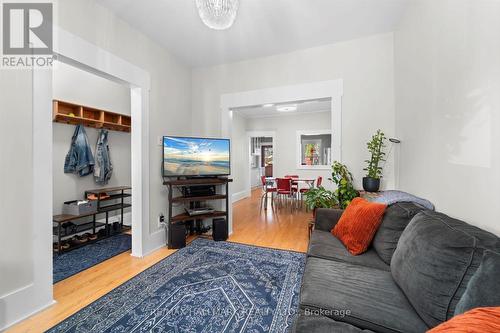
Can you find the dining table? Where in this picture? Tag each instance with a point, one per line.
(271, 181)
(307, 181)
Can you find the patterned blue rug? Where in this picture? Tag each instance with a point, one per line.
(205, 287)
(77, 260)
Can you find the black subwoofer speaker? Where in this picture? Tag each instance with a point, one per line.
(219, 229)
(177, 236)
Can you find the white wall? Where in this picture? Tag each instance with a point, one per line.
(447, 67)
(240, 158)
(285, 141)
(365, 65)
(74, 85)
(16, 179)
(170, 113)
(170, 99)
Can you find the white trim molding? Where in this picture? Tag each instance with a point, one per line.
(73, 50)
(298, 150)
(256, 134)
(333, 89)
(81, 54)
(240, 195)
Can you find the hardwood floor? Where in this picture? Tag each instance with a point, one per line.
(280, 229)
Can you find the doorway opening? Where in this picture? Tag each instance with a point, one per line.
(231, 127)
(92, 215)
(261, 159)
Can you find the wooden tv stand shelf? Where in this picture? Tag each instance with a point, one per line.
(197, 181)
(179, 184)
(186, 217)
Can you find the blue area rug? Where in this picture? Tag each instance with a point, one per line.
(75, 261)
(205, 287)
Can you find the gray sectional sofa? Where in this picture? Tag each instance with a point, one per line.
(410, 279)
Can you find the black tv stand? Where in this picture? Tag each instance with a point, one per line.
(182, 218)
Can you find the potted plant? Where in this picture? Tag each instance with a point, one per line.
(319, 197)
(309, 154)
(345, 191)
(371, 183)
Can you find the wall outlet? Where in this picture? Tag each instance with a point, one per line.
(161, 220)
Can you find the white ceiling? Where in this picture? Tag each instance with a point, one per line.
(323, 105)
(262, 27)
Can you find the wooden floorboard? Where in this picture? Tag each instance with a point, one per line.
(280, 229)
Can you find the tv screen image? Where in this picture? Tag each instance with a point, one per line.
(184, 156)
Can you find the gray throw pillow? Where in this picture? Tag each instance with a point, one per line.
(435, 258)
(483, 288)
(396, 218)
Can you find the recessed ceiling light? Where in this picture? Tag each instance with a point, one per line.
(287, 108)
(268, 105)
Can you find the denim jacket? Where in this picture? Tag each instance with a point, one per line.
(103, 168)
(79, 158)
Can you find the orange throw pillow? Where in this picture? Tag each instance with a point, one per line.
(358, 224)
(479, 320)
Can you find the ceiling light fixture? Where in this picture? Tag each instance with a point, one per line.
(268, 105)
(217, 14)
(287, 108)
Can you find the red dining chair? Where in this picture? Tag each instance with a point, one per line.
(295, 186)
(319, 181)
(284, 189)
(266, 189)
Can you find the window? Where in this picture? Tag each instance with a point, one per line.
(314, 149)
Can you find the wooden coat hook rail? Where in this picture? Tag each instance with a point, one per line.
(69, 113)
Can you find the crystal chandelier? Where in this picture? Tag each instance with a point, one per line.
(217, 14)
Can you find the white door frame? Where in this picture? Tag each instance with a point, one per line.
(333, 89)
(256, 134)
(77, 52)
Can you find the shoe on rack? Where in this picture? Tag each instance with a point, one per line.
(64, 246)
(102, 232)
(117, 226)
(91, 237)
(79, 239)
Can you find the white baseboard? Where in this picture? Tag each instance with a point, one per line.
(240, 195)
(157, 240)
(16, 303)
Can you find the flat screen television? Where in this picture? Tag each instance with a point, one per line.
(196, 157)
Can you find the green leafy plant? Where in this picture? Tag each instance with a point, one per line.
(342, 177)
(376, 148)
(309, 150)
(319, 197)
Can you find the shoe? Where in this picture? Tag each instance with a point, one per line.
(117, 226)
(102, 232)
(67, 225)
(79, 239)
(64, 246)
(93, 197)
(91, 237)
